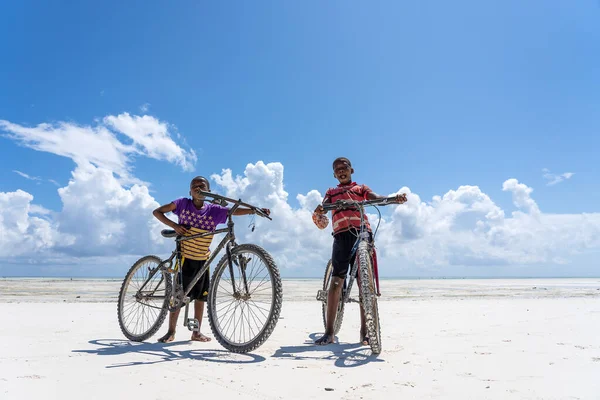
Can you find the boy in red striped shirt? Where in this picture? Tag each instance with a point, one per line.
(346, 226)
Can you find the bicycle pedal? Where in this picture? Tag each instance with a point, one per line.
(193, 324)
(322, 295)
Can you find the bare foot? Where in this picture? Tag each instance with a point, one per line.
(325, 339)
(169, 337)
(199, 337)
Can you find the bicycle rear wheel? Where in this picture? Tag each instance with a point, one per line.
(369, 297)
(242, 317)
(339, 315)
(143, 299)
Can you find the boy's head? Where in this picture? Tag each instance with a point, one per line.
(199, 183)
(342, 170)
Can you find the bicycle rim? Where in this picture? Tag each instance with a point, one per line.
(242, 320)
(143, 299)
(369, 298)
(339, 315)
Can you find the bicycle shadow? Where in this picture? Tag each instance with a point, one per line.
(116, 347)
(343, 354)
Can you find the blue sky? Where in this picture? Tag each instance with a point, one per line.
(428, 96)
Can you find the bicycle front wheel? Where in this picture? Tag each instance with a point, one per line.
(143, 299)
(339, 315)
(368, 295)
(243, 309)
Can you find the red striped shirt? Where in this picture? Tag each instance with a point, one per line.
(344, 220)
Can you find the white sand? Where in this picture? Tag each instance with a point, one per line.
(441, 340)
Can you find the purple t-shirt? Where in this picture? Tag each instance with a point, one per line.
(206, 218)
(198, 221)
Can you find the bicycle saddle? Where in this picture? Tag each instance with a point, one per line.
(168, 233)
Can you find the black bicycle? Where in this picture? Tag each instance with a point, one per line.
(362, 267)
(244, 298)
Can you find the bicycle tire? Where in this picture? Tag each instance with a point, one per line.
(158, 317)
(276, 300)
(369, 298)
(339, 315)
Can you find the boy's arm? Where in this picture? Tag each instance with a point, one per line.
(160, 212)
(400, 198)
(246, 211)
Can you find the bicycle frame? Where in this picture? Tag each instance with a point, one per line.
(363, 235)
(227, 242)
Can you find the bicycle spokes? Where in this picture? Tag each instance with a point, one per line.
(142, 298)
(244, 301)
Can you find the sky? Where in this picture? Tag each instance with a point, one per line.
(487, 114)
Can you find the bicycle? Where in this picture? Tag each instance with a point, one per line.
(362, 267)
(144, 300)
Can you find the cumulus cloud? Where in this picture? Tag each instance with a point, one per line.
(521, 196)
(105, 218)
(291, 236)
(553, 179)
(22, 232)
(463, 227)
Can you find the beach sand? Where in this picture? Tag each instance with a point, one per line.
(442, 339)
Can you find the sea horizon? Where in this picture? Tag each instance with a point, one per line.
(311, 278)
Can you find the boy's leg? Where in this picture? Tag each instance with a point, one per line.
(173, 316)
(363, 326)
(200, 294)
(340, 258)
(198, 314)
(333, 297)
(170, 335)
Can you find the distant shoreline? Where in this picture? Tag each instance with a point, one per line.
(405, 278)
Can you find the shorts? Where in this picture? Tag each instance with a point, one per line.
(189, 270)
(342, 252)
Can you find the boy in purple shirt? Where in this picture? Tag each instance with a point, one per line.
(194, 217)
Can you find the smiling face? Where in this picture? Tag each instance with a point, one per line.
(199, 183)
(342, 171)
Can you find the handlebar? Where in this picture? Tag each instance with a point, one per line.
(340, 204)
(222, 201)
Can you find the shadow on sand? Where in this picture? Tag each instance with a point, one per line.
(164, 352)
(345, 354)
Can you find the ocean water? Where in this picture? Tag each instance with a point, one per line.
(15, 290)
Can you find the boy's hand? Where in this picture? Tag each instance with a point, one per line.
(180, 229)
(401, 198)
(266, 211)
(319, 210)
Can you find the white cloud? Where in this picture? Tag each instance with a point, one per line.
(521, 196)
(100, 146)
(464, 227)
(22, 233)
(99, 218)
(145, 107)
(553, 179)
(152, 138)
(291, 236)
(26, 176)
(101, 221)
